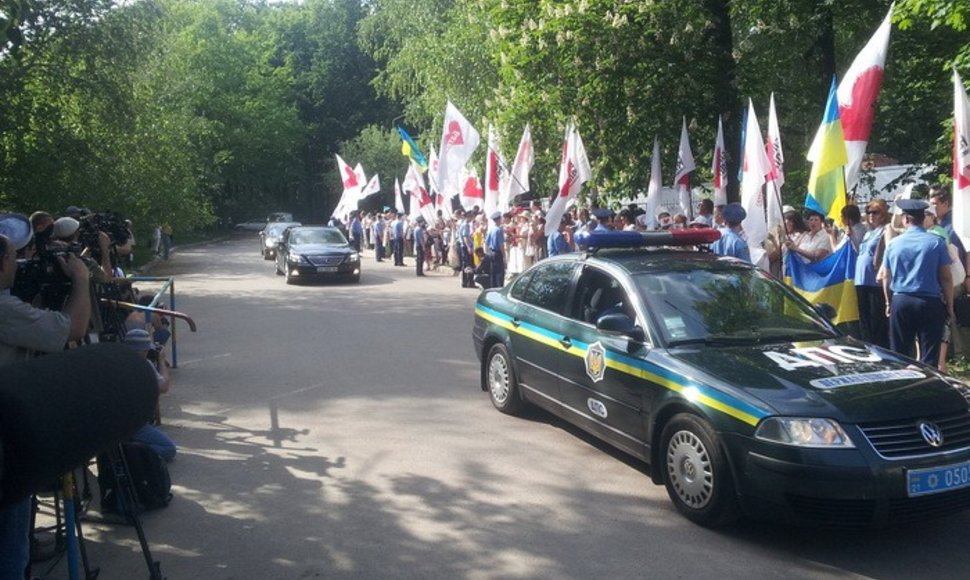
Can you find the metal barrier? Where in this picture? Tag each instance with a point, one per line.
(169, 287)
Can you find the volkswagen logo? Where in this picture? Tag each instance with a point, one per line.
(931, 433)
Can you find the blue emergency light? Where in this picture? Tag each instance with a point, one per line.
(685, 237)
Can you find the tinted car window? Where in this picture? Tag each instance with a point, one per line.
(519, 286)
(549, 286)
(704, 304)
(317, 237)
(598, 293)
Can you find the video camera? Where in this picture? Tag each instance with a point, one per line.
(41, 275)
(108, 222)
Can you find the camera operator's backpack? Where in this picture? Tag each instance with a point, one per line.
(149, 475)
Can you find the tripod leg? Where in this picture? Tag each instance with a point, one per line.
(70, 523)
(127, 495)
(89, 574)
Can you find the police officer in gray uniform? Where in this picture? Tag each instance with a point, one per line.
(918, 286)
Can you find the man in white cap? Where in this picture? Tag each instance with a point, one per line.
(23, 331)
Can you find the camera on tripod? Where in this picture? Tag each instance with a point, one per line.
(41, 275)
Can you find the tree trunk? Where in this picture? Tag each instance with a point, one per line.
(726, 86)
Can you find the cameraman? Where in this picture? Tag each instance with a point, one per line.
(24, 329)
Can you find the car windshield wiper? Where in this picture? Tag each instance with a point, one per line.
(719, 340)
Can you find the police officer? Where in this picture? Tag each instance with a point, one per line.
(378, 235)
(465, 247)
(556, 243)
(397, 239)
(495, 247)
(731, 242)
(604, 219)
(356, 230)
(918, 285)
(420, 239)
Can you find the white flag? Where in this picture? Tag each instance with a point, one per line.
(525, 158)
(719, 167)
(654, 186)
(495, 174)
(754, 167)
(458, 142)
(433, 171)
(857, 94)
(776, 168)
(574, 171)
(685, 165)
(961, 160)
(398, 200)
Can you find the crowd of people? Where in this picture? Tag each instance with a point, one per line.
(906, 283)
(88, 253)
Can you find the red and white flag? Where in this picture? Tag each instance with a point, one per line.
(359, 173)
(420, 199)
(574, 171)
(654, 186)
(685, 166)
(495, 174)
(347, 175)
(373, 186)
(398, 199)
(525, 158)
(458, 142)
(754, 168)
(719, 167)
(961, 160)
(472, 193)
(776, 168)
(857, 97)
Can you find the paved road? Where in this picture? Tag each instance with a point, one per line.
(338, 431)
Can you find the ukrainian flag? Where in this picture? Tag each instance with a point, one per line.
(410, 150)
(826, 182)
(831, 280)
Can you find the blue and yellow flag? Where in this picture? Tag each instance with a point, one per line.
(826, 182)
(831, 281)
(410, 150)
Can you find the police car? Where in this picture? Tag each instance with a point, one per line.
(741, 396)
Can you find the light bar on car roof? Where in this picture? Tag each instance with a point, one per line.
(685, 237)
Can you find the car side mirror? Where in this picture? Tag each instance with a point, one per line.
(826, 310)
(620, 323)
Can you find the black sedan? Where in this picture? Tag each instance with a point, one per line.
(316, 252)
(739, 394)
(269, 238)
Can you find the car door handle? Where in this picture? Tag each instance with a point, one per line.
(565, 342)
(516, 322)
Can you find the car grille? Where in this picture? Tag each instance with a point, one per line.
(905, 509)
(325, 260)
(895, 440)
(833, 512)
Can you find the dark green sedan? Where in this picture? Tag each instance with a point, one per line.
(739, 394)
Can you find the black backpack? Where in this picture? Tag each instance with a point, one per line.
(149, 474)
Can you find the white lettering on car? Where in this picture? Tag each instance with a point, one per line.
(789, 362)
(819, 356)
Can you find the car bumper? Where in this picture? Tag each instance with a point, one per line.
(850, 487)
(308, 272)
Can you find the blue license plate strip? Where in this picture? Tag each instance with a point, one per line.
(937, 479)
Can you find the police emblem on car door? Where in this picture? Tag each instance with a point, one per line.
(596, 361)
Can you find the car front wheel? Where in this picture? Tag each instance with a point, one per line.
(499, 376)
(288, 276)
(696, 472)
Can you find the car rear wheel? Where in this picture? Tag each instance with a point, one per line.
(696, 472)
(278, 271)
(499, 376)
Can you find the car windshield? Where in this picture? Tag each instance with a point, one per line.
(317, 237)
(276, 229)
(726, 306)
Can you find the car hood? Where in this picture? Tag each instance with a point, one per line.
(841, 378)
(321, 249)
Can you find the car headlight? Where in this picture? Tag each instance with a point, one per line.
(353, 257)
(803, 432)
(294, 258)
(270, 243)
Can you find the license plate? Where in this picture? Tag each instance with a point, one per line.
(937, 479)
(322, 269)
